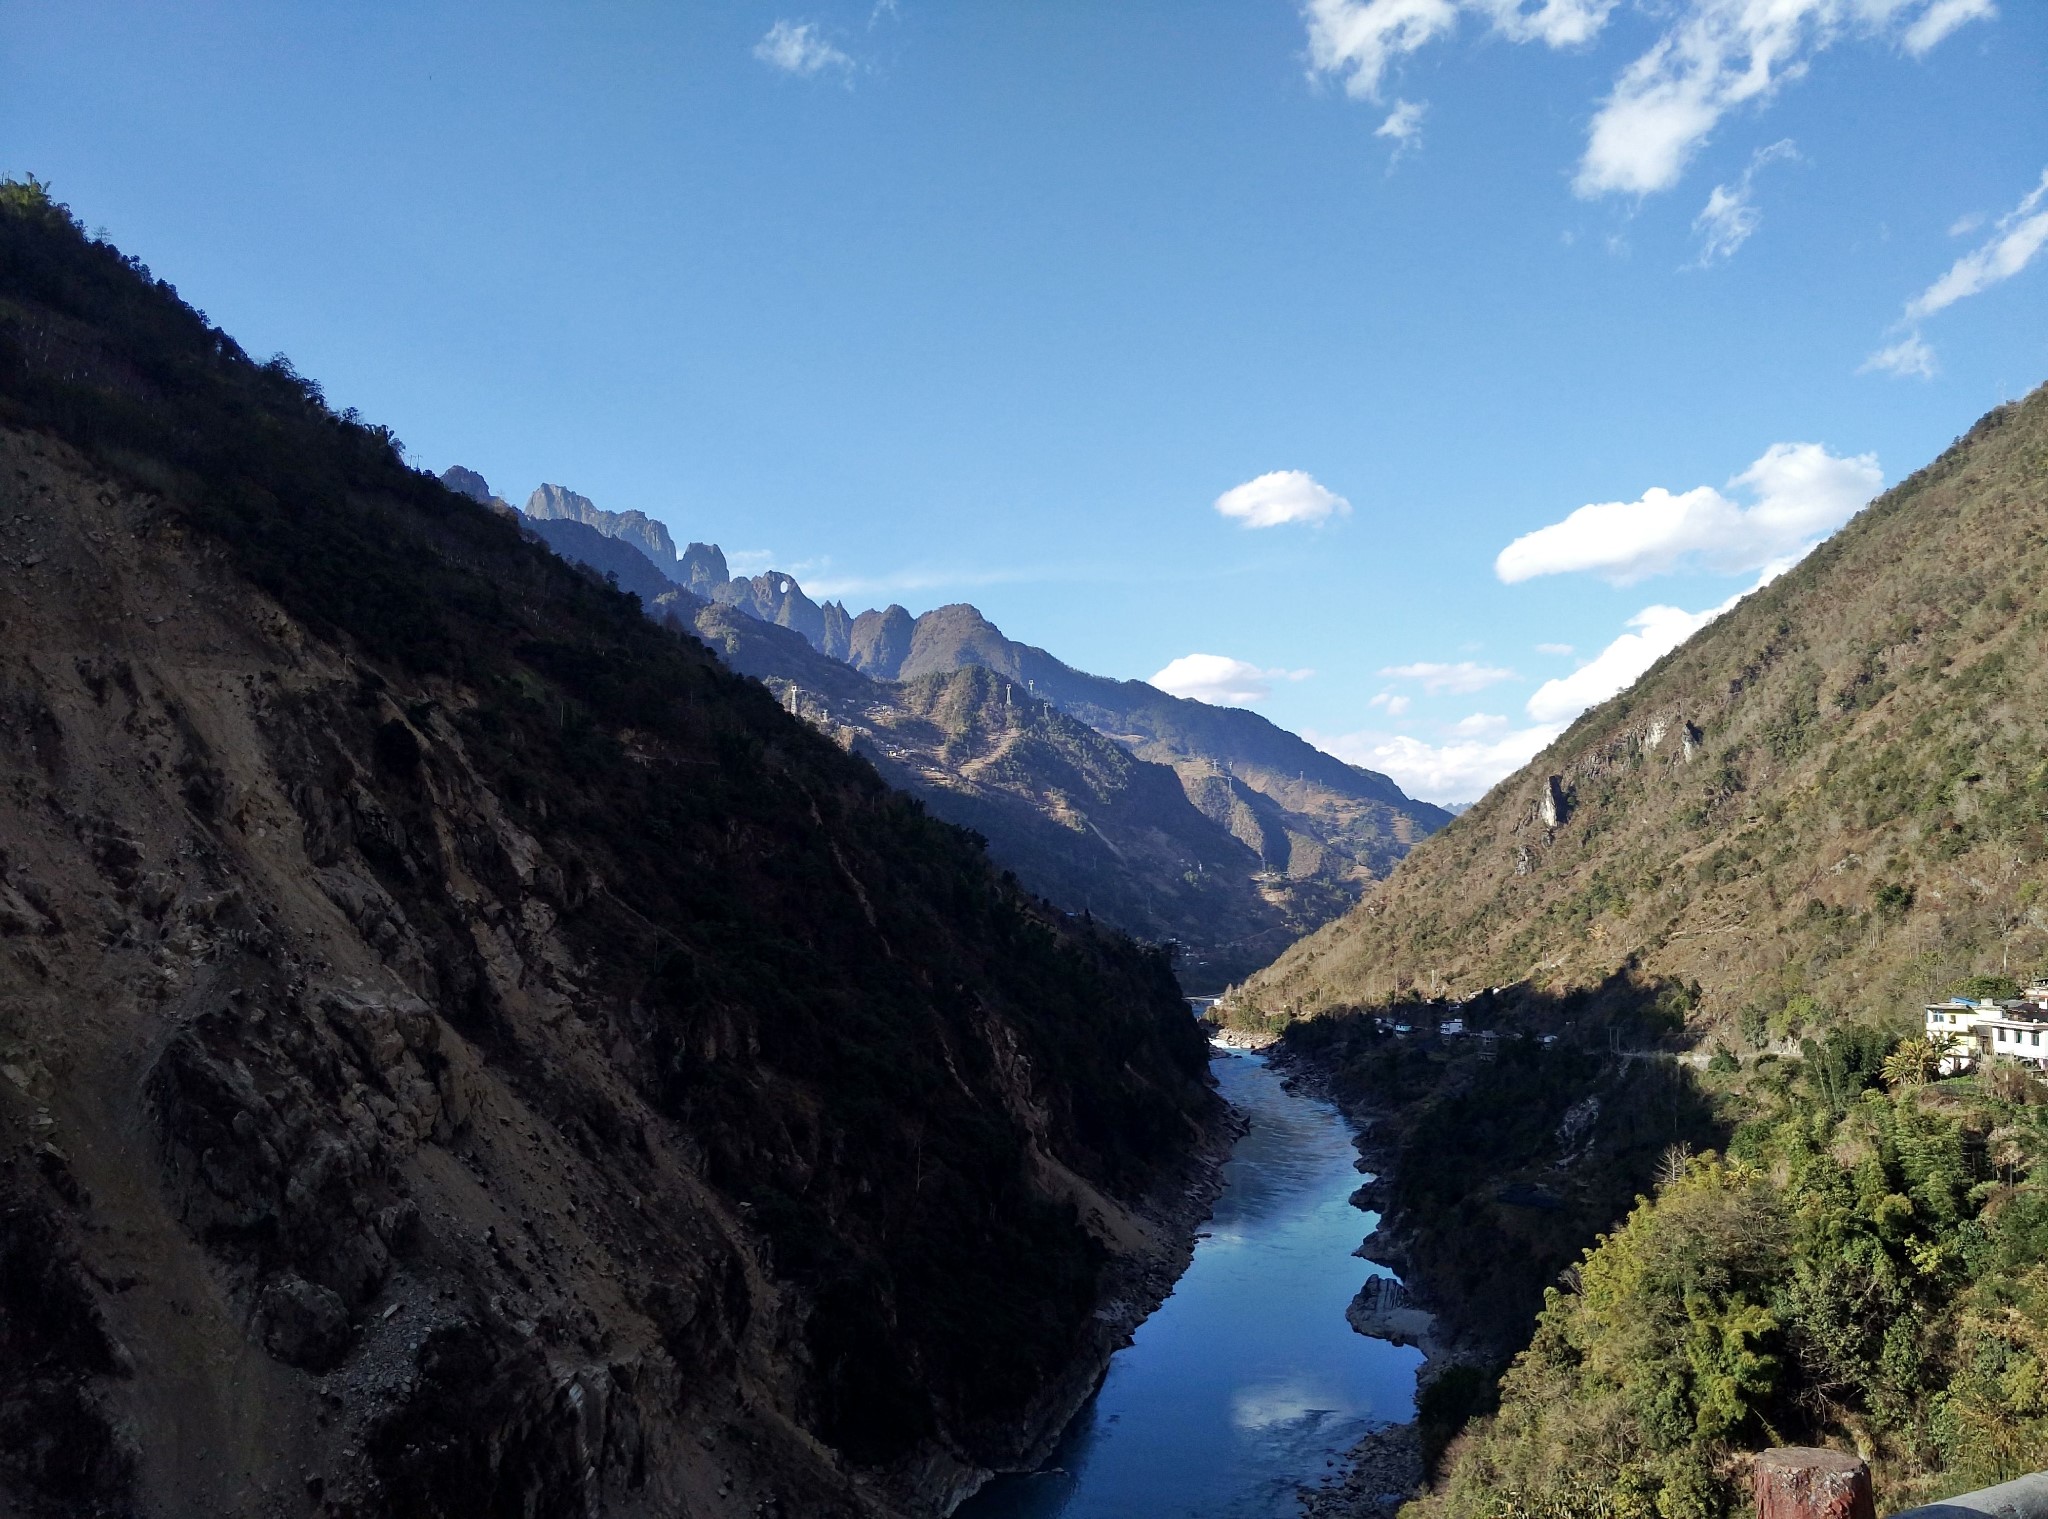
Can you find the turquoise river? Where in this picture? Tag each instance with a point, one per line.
(1248, 1383)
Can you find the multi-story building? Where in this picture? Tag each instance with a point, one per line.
(1984, 1029)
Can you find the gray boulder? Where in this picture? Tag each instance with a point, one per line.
(303, 1323)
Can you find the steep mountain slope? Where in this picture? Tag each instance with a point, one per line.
(1319, 830)
(462, 1050)
(1310, 816)
(1074, 814)
(1207, 861)
(1830, 801)
(625, 566)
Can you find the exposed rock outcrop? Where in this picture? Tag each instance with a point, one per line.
(881, 642)
(701, 570)
(636, 528)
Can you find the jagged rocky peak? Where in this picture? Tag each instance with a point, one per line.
(467, 482)
(779, 599)
(701, 569)
(837, 639)
(880, 641)
(951, 636)
(629, 547)
(637, 528)
(775, 597)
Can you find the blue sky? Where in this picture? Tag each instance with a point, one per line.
(997, 302)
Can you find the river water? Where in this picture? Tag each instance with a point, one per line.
(1248, 1382)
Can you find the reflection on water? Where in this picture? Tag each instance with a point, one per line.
(1248, 1380)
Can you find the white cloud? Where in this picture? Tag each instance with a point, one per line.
(1712, 57)
(1658, 630)
(1555, 648)
(799, 48)
(1802, 493)
(1221, 680)
(1285, 495)
(1394, 705)
(1462, 678)
(1726, 222)
(1964, 225)
(1479, 723)
(1460, 771)
(1731, 217)
(1908, 356)
(1718, 55)
(1362, 39)
(1557, 23)
(1941, 18)
(2019, 235)
(1403, 125)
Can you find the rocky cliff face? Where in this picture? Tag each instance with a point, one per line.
(637, 528)
(701, 570)
(464, 1052)
(880, 642)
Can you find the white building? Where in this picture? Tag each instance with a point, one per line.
(1984, 1030)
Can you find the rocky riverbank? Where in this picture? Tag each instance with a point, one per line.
(1379, 1474)
(1242, 1039)
(1151, 1248)
(1385, 1469)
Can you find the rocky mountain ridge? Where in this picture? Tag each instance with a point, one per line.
(1310, 831)
(1077, 815)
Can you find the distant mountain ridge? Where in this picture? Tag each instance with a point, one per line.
(1076, 815)
(1269, 838)
(637, 528)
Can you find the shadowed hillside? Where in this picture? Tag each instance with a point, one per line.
(1076, 815)
(467, 1052)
